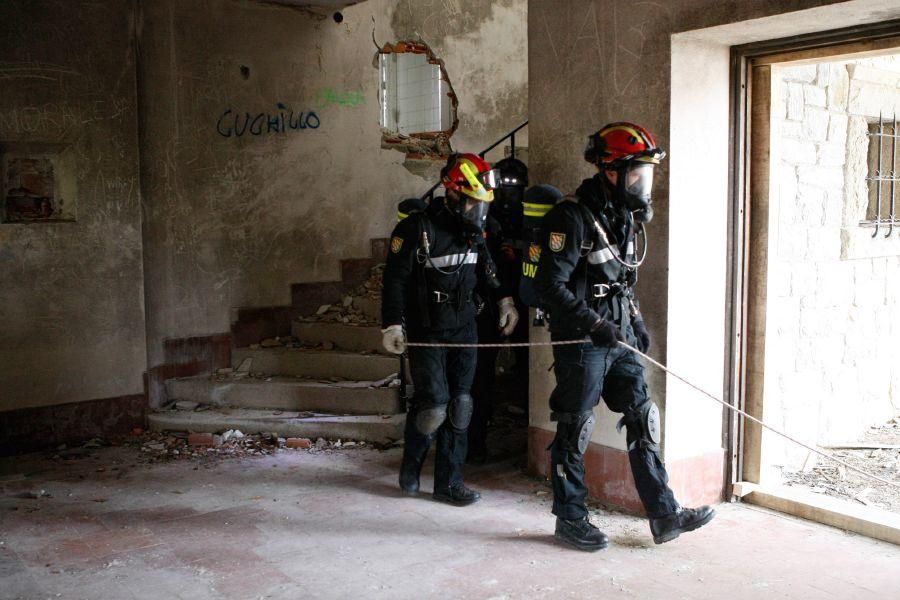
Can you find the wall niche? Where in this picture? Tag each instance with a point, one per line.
(37, 183)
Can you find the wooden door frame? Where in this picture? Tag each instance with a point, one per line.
(749, 177)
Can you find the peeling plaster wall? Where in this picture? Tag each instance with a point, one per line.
(233, 221)
(71, 294)
(484, 48)
(596, 61)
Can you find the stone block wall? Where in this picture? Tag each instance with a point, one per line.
(833, 314)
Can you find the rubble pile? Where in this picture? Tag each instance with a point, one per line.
(877, 453)
(392, 380)
(359, 307)
(283, 341)
(157, 447)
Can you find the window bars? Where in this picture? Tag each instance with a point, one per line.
(882, 179)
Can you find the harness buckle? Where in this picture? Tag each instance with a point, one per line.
(600, 290)
(440, 297)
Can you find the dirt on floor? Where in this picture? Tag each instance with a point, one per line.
(835, 480)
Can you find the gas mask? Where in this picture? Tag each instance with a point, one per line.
(633, 187)
(507, 208)
(471, 214)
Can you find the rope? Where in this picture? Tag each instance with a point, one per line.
(501, 345)
(759, 422)
(676, 376)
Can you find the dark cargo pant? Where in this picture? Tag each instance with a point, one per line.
(438, 375)
(584, 372)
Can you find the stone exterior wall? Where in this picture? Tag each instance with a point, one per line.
(833, 314)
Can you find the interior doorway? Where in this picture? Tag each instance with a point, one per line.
(820, 276)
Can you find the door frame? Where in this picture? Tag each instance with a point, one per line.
(749, 180)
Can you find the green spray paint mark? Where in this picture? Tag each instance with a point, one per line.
(329, 97)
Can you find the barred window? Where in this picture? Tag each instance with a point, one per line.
(883, 177)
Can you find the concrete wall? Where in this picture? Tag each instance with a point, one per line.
(592, 62)
(232, 221)
(833, 313)
(71, 294)
(228, 220)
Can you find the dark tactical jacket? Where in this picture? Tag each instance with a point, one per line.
(578, 278)
(416, 294)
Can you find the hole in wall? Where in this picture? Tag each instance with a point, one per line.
(338, 17)
(418, 105)
(245, 71)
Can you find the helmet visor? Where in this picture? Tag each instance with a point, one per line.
(639, 180)
(490, 179)
(474, 213)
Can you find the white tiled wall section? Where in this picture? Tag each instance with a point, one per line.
(421, 95)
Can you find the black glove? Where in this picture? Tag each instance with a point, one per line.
(640, 332)
(605, 334)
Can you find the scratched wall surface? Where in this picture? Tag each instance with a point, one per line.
(243, 196)
(71, 294)
(596, 61)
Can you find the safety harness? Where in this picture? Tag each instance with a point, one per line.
(618, 289)
(427, 294)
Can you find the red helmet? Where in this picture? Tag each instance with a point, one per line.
(623, 142)
(471, 175)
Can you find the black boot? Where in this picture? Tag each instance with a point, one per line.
(409, 476)
(665, 529)
(581, 533)
(457, 495)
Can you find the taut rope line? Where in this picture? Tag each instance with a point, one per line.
(676, 376)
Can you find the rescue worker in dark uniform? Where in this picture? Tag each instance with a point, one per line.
(435, 262)
(504, 238)
(585, 278)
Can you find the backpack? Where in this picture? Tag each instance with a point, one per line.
(538, 201)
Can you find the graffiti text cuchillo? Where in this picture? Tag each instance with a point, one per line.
(235, 124)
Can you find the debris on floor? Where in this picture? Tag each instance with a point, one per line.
(391, 381)
(155, 446)
(878, 453)
(232, 444)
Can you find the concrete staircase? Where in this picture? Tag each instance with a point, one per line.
(347, 391)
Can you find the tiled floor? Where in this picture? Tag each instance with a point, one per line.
(300, 525)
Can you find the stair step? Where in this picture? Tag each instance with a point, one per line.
(345, 337)
(371, 307)
(368, 428)
(285, 393)
(299, 362)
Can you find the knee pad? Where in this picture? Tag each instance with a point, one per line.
(574, 430)
(428, 419)
(644, 424)
(460, 412)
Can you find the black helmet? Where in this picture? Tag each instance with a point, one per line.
(513, 172)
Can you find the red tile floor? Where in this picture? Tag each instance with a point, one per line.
(331, 525)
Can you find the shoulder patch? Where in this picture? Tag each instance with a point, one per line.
(534, 253)
(396, 244)
(557, 241)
